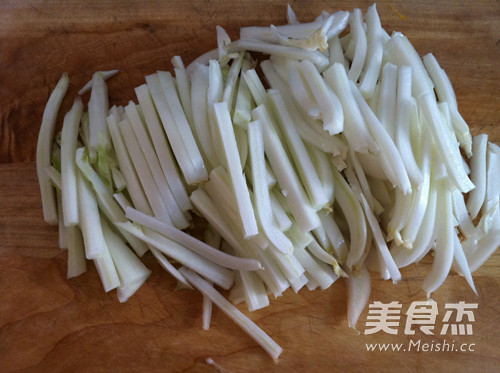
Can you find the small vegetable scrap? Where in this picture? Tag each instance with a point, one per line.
(307, 166)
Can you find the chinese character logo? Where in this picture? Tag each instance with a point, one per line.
(421, 315)
(461, 309)
(383, 317)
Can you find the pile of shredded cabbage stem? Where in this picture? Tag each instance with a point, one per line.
(340, 154)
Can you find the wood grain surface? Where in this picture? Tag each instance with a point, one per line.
(50, 324)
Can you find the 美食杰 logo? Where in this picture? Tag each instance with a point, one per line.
(456, 319)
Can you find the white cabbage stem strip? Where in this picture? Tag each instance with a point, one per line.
(289, 265)
(146, 147)
(308, 131)
(375, 206)
(300, 90)
(162, 148)
(184, 87)
(355, 130)
(233, 162)
(316, 41)
(201, 129)
(355, 218)
(462, 131)
(462, 216)
(493, 178)
(316, 250)
(399, 216)
(340, 22)
(134, 187)
(261, 191)
(239, 318)
(214, 95)
(374, 53)
(207, 311)
(214, 272)
(223, 40)
(266, 33)
(105, 199)
(444, 249)
(192, 243)
(242, 110)
(460, 264)
(386, 103)
(174, 104)
(273, 275)
(61, 229)
(98, 111)
(90, 221)
(329, 105)
(54, 176)
(219, 190)
(442, 84)
(445, 93)
(372, 166)
(402, 131)
(320, 233)
(203, 59)
(448, 151)
(425, 237)
(77, 263)
(171, 129)
(280, 215)
(399, 51)
(131, 271)
(303, 163)
(302, 210)
(359, 37)
(478, 251)
(358, 293)
(291, 18)
(143, 171)
(221, 193)
(214, 239)
(232, 80)
(69, 138)
(84, 128)
(254, 290)
(315, 57)
(122, 200)
(393, 163)
(44, 149)
(335, 237)
(300, 282)
(107, 271)
(273, 278)
(242, 144)
(420, 197)
(478, 175)
(322, 273)
(119, 181)
(105, 75)
(167, 266)
(256, 87)
(324, 169)
(335, 52)
(383, 192)
(299, 237)
(392, 268)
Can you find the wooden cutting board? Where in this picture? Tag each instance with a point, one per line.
(50, 324)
